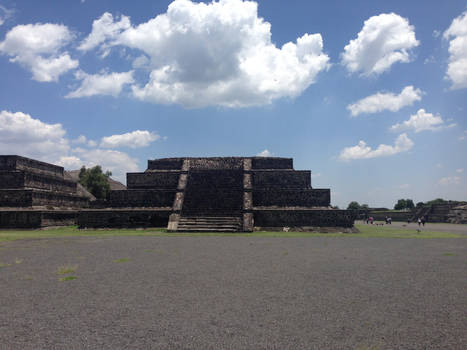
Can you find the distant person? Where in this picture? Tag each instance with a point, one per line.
(371, 220)
(386, 219)
(390, 221)
(423, 220)
(419, 221)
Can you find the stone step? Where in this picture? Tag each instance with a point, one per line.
(209, 224)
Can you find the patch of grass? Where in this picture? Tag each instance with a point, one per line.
(2, 265)
(365, 231)
(67, 278)
(66, 269)
(18, 261)
(121, 260)
(449, 254)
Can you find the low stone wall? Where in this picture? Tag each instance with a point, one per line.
(304, 218)
(292, 198)
(281, 179)
(22, 179)
(30, 219)
(141, 198)
(153, 180)
(22, 163)
(118, 218)
(30, 198)
(271, 163)
(165, 164)
(394, 215)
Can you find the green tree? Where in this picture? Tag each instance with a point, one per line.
(95, 181)
(353, 205)
(409, 204)
(364, 206)
(420, 204)
(436, 201)
(401, 204)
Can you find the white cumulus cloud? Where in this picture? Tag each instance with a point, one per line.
(101, 84)
(384, 40)
(449, 180)
(386, 101)
(457, 68)
(39, 48)
(420, 122)
(135, 139)
(104, 29)
(23, 135)
(362, 151)
(264, 153)
(218, 53)
(119, 163)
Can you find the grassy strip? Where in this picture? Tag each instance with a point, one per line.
(365, 231)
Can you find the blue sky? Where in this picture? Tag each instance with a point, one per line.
(369, 95)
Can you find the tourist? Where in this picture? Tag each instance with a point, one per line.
(390, 221)
(419, 221)
(423, 220)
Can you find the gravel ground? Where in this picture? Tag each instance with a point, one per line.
(234, 293)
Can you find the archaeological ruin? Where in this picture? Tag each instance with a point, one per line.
(36, 194)
(228, 194)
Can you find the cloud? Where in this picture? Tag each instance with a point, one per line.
(101, 84)
(26, 136)
(216, 54)
(119, 163)
(362, 151)
(384, 40)
(404, 186)
(23, 135)
(135, 139)
(459, 171)
(265, 153)
(386, 101)
(462, 137)
(449, 180)
(5, 14)
(457, 68)
(420, 122)
(104, 29)
(38, 47)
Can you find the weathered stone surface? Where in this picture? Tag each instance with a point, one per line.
(271, 163)
(123, 218)
(13, 162)
(153, 180)
(291, 197)
(165, 164)
(37, 218)
(40, 198)
(310, 217)
(142, 198)
(281, 179)
(20, 179)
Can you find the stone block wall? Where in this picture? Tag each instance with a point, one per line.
(123, 218)
(141, 198)
(22, 163)
(291, 197)
(22, 179)
(304, 218)
(165, 164)
(281, 179)
(271, 163)
(153, 180)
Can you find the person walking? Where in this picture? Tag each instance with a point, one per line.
(419, 221)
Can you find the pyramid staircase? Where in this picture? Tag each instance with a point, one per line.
(209, 224)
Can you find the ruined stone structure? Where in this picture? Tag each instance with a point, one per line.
(36, 194)
(220, 194)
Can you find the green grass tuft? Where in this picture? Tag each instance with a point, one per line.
(449, 254)
(67, 278)
(66, 269)
(121, 260)
(2, 265)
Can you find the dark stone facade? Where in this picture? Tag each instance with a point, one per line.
(260, 191)
(36, 194)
